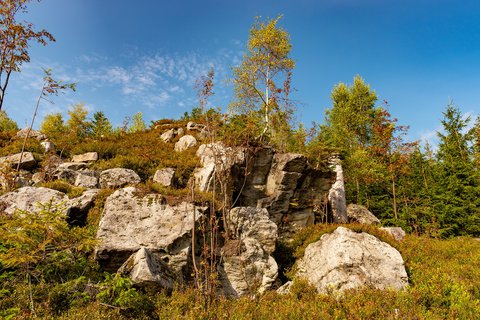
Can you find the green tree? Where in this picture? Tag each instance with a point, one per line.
(138, 124)
(53, 125)
(7, 124)
(77, 124)
(348, 123)
(101, 126)
(15, 39)
(262, 81)
(457, 189)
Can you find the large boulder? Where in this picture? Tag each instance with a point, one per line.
(26, 160)
(146, 270)
(248, 267)
(32, 199)
(360, 214)
(85, 157)
(185, 142)
(129, 223)
(118, 177)
(345, 260)
(164, 176)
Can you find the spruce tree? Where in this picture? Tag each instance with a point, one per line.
(457, 189)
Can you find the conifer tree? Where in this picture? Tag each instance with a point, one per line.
(101, 126)
(457, 189)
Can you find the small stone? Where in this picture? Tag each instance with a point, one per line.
(85, 157)
(164, 176)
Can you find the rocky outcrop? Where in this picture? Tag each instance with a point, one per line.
(129, 223)
(164, 176)
(360, 214)
(248, 267)
(185, 142)
(146, 270)
(345, 260)
(85, 157)
(283, 183)
(336, 194)
(118, 177)
(27, 161)
(396, 232)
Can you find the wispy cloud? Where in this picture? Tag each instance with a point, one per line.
(156, 84)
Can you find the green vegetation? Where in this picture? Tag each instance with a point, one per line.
(47, 268)
(54, 276)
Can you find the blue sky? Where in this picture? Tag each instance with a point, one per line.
(144, 55)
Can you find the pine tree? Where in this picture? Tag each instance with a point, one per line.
(101, 126)
(457, 189)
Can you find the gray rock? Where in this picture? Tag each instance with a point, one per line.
(360, 214)
(78, 208)
(33, 199)
(248, 222)
(118, 177)
(47, 146)
(248, 271)
(67, 175)
(32, 134)
(146, 270)
(215, 156)
(185, 142)
(336, 195)
(346, 260)
(195, 126)
(86, 180)
(73, 166)
(27, 160)
(164, 176)
(85, 157)
(249, 268)
(180, 132)
(129, 223)
(396, 232)
(168, 135)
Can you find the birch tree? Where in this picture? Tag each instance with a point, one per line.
(262, 81)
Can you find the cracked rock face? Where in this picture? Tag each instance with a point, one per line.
(130, 222)
(345, 260)
(248, 266)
